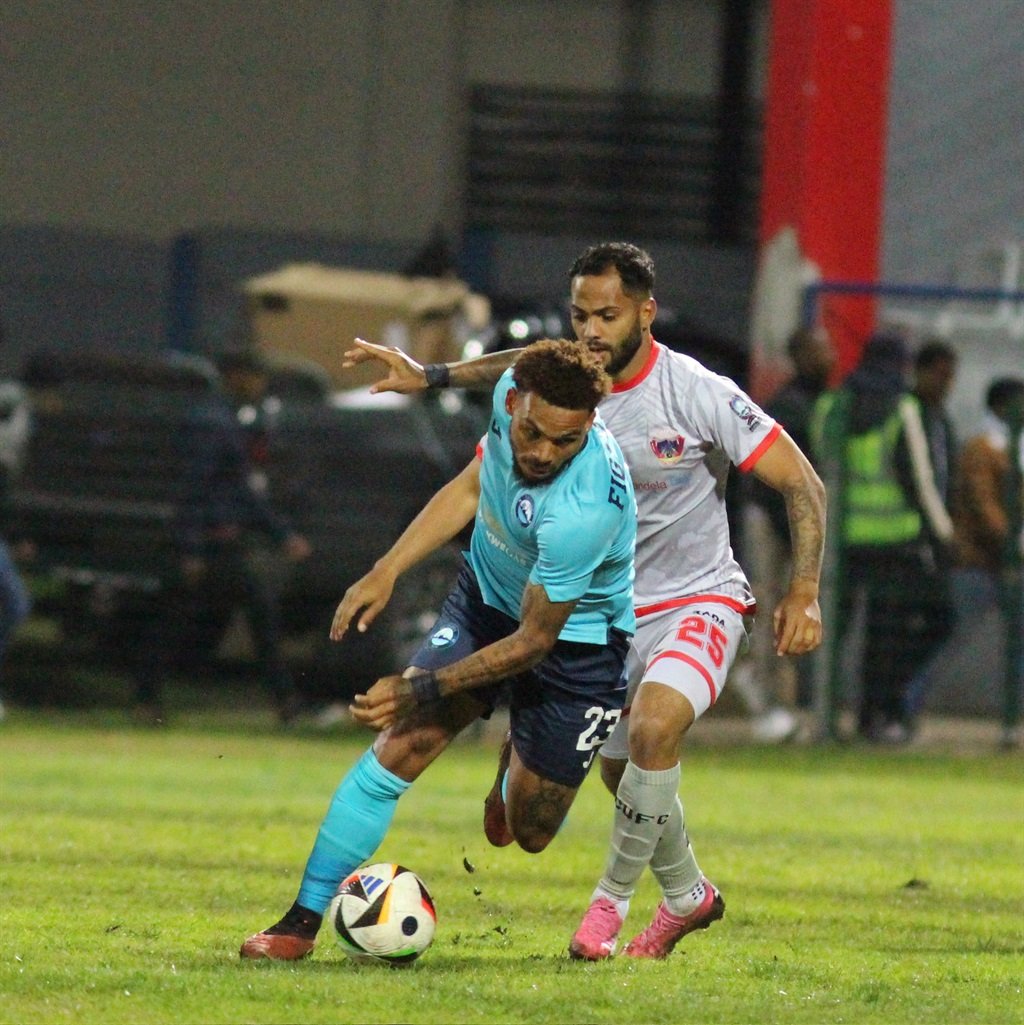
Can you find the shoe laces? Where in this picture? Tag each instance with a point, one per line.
(601, 921)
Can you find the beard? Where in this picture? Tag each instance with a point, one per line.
(524, 477)
(627, 349)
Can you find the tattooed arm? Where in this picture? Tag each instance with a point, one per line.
(541, 621)
(405, 375)
(797, 617)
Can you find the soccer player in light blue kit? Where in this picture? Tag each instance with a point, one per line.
(543, 607)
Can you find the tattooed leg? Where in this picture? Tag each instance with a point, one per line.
(536, 806)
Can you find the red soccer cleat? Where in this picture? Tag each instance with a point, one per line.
(659, 938)
(276, 947)
(495, 824)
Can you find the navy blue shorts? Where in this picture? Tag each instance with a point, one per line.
(562, 710)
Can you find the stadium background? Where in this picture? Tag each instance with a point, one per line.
(144, 140)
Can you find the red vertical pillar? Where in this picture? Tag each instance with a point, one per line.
(824, 165)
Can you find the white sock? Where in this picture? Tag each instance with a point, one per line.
(621, 905)
(643, 806)
(688, 902)
(675, 866)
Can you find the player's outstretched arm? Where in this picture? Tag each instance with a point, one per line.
(393, 696)
(435, 524)
(797, 618)
(406, 376)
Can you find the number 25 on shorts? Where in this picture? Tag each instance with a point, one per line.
(707, 636)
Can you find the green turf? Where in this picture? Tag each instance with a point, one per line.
(861, 886)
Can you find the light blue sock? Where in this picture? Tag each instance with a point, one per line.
(357, 819)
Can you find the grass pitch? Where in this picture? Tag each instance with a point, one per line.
(860, 886)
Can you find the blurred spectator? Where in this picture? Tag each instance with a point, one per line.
(870, 444)
(987, 518)
(15, 602)
(219, 525)
(767, 683)
(934, 372)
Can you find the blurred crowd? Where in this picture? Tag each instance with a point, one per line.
(925, 534)
(925, 539)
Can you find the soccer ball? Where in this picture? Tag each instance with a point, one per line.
(384, 913)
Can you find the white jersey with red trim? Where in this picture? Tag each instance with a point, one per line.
(679, 426)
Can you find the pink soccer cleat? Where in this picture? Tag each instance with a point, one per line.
(659, 938)
(596, 936)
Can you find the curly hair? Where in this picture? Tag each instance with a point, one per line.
(563, 373)
(634, 265)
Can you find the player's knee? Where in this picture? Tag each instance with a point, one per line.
(653, 739)
(533, 828)
(532, 839)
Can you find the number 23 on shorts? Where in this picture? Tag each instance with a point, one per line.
(602, 722)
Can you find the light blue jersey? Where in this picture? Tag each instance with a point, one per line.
(574, 535)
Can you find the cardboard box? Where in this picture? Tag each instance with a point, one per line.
(313, 311)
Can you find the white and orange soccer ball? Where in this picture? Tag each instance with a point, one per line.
(383, 913)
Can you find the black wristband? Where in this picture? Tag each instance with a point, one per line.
(425, 688)
(438, 375)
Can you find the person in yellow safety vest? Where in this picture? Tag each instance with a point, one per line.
(870, 441)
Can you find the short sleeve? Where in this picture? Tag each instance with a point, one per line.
(737, 425)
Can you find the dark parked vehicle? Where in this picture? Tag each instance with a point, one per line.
(105, 464)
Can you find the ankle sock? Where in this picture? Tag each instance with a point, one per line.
(298, 921)
(686, 904)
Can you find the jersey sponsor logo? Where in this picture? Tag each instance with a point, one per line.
(711, 615)
(496, 542)
(668, 447)
(524, 509)
(746, 412)
(650, 485)
(444, 637)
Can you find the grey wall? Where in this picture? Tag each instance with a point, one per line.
(955, 177)
(256, 124)
(956, 139)
(63, 289)
(343, 117)
(152, 118)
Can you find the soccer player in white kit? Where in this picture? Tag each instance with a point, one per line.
(679, 426)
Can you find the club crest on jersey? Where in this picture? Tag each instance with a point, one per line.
(668, 449)
(746, 412)
(445, 636)
(524, 509)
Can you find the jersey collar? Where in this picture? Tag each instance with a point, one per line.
(642, 373)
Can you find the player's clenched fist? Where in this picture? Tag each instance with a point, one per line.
(388, 699)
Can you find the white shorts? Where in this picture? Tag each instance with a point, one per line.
(690, 645)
